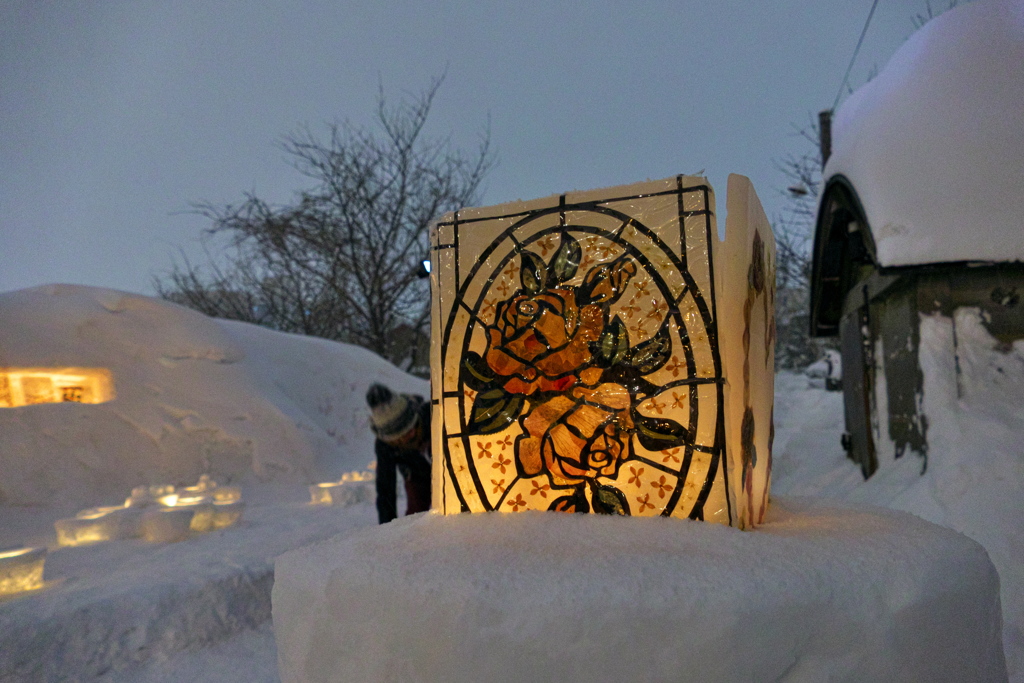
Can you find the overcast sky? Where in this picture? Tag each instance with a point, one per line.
(116, 114)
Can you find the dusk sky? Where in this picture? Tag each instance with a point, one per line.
(117, 114)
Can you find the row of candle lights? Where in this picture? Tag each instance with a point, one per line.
(163, 514)
(353, 487)
(158, 514)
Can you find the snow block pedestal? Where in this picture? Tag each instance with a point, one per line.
(858, 594)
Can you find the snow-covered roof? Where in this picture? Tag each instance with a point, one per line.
(934, 145)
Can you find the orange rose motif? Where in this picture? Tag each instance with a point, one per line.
(556, 364)
(578, 437)
(540, 341)
(542, 338)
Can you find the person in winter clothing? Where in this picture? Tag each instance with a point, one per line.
(401, 423)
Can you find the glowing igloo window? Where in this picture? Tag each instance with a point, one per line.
(30, 386)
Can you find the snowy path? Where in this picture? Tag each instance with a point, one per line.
(115, 606)
(808, 456)
(249, 657)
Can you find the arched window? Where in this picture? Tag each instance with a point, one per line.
(843, 255)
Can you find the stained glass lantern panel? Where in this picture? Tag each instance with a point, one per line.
(576, 361)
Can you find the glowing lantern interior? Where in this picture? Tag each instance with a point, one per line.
(353, 487)
(594, 352)
(91, 526)
(21, 570)
(30, 386)
(203, 507)
(226, 513)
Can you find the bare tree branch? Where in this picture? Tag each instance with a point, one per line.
(340, 260)
(794, 237)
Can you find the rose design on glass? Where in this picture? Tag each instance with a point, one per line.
(578, 437)
(559, 364)
(539, 341)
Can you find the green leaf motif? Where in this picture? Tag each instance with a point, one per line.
(604, 284)
(566, 261)
(476, 374)
(533, 274)
(494, 410)
(657, 434)
(608, 500)
(651, 355)
(613, 344)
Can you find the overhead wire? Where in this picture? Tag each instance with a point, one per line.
(856, 50)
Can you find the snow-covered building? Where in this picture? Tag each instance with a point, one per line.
(922, 215)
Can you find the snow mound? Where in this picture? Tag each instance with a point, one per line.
(853, 594)
(123, 606)
(934, 144)
(194, 395)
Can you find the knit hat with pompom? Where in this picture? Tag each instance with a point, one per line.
(392, 415)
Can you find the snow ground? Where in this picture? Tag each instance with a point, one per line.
(249, 657)
(974, 480)
(114, 606)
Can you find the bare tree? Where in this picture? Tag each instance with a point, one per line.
(794, 241)
(794, 235)
(794, 228)
(340, 261)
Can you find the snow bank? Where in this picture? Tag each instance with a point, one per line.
(194, 395)
(974, 481)
(814, 594)
(934, 144)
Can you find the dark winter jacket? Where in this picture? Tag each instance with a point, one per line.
(414, 465)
